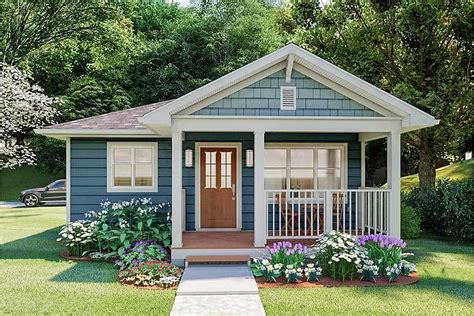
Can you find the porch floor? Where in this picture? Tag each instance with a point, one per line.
(228, 240)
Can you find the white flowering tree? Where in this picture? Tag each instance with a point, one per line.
(23, 107)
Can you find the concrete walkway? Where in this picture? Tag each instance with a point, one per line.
(4, 204)
(217, 289)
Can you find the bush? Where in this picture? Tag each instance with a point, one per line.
(410, 222)
(339, 255)
(122, 223)
(153, 273)
(140, 252)
(447, 209)
(79, 237)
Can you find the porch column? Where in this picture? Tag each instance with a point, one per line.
(260, 227)
(177, 186)
(393, 181)
(362, 164)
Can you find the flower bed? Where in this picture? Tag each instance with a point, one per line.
(336, 260)
(151, 275)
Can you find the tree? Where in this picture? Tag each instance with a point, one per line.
(30, 24)
(419, 51)
(23, 108)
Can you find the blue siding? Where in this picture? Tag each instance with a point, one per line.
(263, 99)
(89, 175)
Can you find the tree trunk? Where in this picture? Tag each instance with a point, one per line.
(427, 166)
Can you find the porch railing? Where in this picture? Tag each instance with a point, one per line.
(309, 213)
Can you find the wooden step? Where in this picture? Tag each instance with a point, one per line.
(217, 259)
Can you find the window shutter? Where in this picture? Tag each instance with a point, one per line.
(288, 98)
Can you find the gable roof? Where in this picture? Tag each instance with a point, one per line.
(313, 66)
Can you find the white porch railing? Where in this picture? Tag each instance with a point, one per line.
(309, 213)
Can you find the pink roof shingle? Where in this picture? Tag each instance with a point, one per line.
(125, 119)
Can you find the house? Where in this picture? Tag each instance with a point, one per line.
(274, 150)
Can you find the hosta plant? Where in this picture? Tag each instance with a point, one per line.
(153, 273)
(79, 237)
(140, 252)
(368, 270)
(382, 249)
(122, 223)
(338, 255)
(393, 272)
(292, 273)
(312, 272)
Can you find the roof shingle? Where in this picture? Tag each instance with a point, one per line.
(125, 119)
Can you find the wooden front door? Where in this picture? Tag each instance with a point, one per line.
(218, 177)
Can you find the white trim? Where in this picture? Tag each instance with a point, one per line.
(197, 184)
(315, 146)
(287, 108)
(260, 208)
(177, 211)
(132, 145)
(362, 164)
(68, 180)
(393, 181)
(63, 133)
(289, 67)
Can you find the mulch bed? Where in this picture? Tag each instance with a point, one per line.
(148, 287)
(65, 254)
(330, 282)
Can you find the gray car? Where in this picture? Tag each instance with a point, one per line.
(52, 193)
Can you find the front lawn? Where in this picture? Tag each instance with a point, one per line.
(34, 280)
(446, 287)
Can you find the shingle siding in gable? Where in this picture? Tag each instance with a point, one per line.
(263, 99)
(89, 176)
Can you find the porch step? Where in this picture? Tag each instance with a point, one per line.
(217, 259)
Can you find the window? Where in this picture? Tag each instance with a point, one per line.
(131, 167)
(304, 167)
(288, 98)
(60, 184)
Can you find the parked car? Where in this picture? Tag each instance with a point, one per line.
(52, 193)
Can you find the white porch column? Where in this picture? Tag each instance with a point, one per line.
(68, 180)
(393, 181)
(177, 186)
(260, 225)
(362, 164)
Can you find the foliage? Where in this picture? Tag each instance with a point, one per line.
(312, 272)
(140, 252)
(122, 223)
(393, 271)
(447, 209)
(264, 268)
(285, 253)
(410, 221)
(23, 108)
(152, 273)
(383, 250)
(368, 270)
(293, 273)
(79, 237)
(407, 268)
(338, 255)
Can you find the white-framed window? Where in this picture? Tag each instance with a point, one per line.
(305, 166)
(287, 98)
(132, 166)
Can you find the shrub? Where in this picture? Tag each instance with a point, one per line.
(79, 237)
(339, 255)
(447, 209)
(122, 223)
(410, 222)
(153, 273)
(140, 252)
(384, 250)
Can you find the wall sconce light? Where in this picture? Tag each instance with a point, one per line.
(249, 157)
(188, 158)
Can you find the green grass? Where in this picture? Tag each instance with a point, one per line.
(12, 182)
(34, 280)
(446, 287)
(456, 171)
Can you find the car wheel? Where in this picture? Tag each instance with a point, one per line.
(31, 200)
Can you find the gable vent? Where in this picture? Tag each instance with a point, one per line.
(288, 98)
